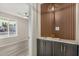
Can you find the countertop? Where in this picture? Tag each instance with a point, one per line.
(59, 40)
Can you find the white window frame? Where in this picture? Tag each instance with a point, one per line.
(8, 35)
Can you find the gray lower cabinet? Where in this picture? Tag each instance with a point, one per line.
(43, 48)
(78, 50)
(48, 48)
(40, 47)
(64, 49)
(58, 49)
(70, 50)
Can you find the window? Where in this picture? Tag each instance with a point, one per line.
(8, 28)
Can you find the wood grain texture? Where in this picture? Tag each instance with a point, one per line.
(63, 16)
(65, 19)
(47, 21)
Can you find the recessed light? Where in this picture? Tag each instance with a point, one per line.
(52, 9)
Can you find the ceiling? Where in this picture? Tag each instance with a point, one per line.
(18, 9)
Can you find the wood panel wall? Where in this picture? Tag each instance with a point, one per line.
(65, 19)
(47, 21)
(63, 16)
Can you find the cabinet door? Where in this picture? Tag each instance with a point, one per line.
(48, 48)
(40, 47)
(70, 50)
(58, 48)
(52, 48)
(43, 48)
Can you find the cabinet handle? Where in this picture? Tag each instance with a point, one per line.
(61, 48)
(64, 48)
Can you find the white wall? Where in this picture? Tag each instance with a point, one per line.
(21, 25)
(77, 22)
(22, 35)
(34, 30)
(16, 9)
(33, 21)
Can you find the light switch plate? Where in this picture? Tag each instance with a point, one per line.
(57, 28)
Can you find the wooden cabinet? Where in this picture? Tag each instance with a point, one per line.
(62, 15)
(48, 48)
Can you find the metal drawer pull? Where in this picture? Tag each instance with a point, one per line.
(64, 48)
